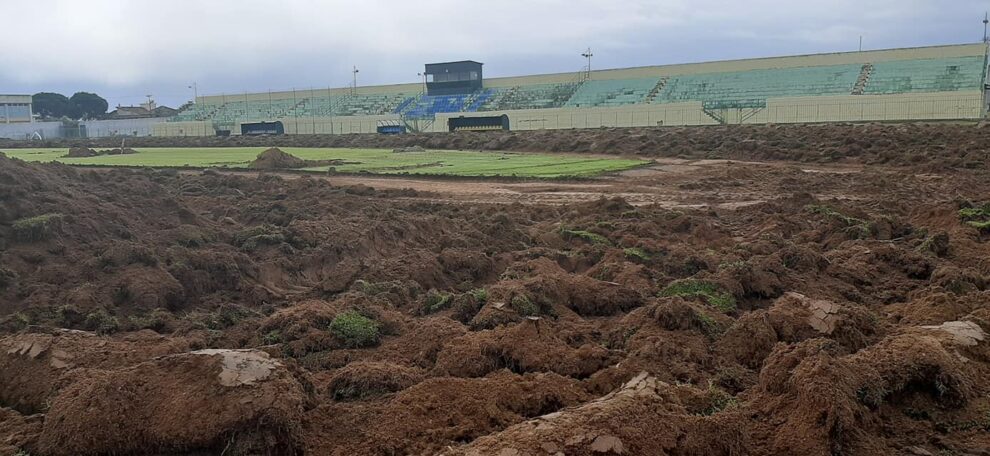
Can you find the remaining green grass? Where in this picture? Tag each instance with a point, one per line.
(637, 254)
(480, 295)
(375, 161)
(857, 227)
(355, 330)
(586, 236)
(436, 301)
(710, 292)
(37, 228)
(976, 217)
(718, 400)
(524, 306)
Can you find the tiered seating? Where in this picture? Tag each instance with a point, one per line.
(929, 75)
(537, 96)
(715, 90)
(426, 106)
(611, 92)
(196, 112)
(350, 105)
(761, 84)
(478, 99)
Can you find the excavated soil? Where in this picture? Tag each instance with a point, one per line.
(275, 158)
(699, 306)
(83, 152)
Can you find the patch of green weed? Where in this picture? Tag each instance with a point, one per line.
(436, 301)
(856, 227)
(586, 236)
(710, 292)
(718, 400)
(524, 306)
(976, 217)
(637, 254)
(480, 295)
(37, 228)
(355, 330)
(101, 322)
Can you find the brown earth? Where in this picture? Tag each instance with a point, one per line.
(82, 152)
(275, 158)
(759, 306)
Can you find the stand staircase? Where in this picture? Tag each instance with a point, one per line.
(656, 89)
(863, 80)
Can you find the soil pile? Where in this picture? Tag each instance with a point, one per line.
(274, 158)
(118, 151)
(179, 402)
(81, 152)
(408, 149)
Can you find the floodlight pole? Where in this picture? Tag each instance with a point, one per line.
(986, 20)
(195, 92)
(423, 74)
(354, 86)
(588, 55)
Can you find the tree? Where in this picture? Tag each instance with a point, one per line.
(52, 105)
(87, 105)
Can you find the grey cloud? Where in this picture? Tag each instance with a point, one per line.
(126, 49)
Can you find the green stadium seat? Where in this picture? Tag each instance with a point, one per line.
(926, 75)
(614, 92)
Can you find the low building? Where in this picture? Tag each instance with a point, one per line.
(144, 111)
(16, 109)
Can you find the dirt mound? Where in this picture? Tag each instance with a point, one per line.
(34, 367)
(204, 400)
(839, 395)
(365, 379)
(530, 346)
(460, 410)
(794, 318)
(81, 152)
(614, 425)
(408, 149)
(274, 158)
(118, 151)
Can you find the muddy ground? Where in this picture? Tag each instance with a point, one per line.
(761, 306)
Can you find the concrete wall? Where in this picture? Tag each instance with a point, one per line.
(849, 108)
(293, 126)
(178, 129)
(333, 125)
(27, 130)
(92, 129)
(123, 127)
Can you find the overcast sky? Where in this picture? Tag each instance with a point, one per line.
(124, 50)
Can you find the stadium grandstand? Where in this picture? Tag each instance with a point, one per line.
(929, 83)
